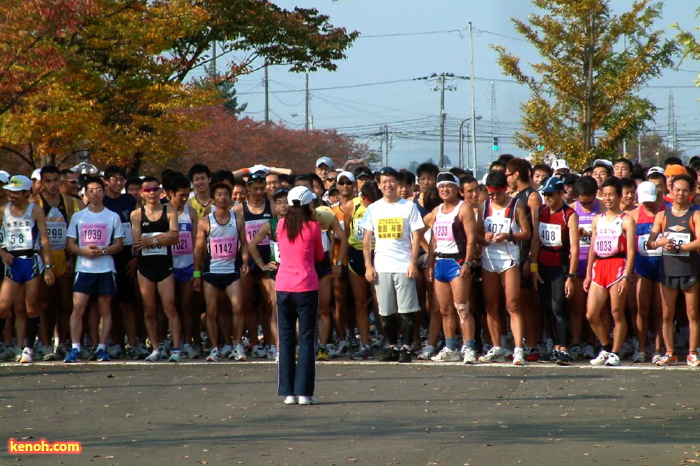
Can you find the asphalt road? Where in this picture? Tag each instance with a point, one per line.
(368, 413)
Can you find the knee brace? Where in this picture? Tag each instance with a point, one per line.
(462, 310)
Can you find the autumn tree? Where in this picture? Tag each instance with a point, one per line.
(227, 142)
(584, 91)
(121, 89)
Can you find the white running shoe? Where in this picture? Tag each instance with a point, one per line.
(226, 351)
(175, 356)
(259, 351)
(469, 356)
(290, 400)
(612, 360)
(332, 351)
(154, 356)
(307, 400)
(27, 356)
(427, 353)
(214, 355)
(189, 352)
(518, 357)
(446, 355)
(238, 353)
(601, 359)
(272, 353)
(495, 354)
(639, 357)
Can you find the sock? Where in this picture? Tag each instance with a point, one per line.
(451, 344)
(469, 344)
(101, 347)
(32, 330)
(76, 346)
(608, 348)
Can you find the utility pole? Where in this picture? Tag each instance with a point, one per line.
(306, 106)
(471, 84)
(267, 96)
(386, 145)
(442, 87)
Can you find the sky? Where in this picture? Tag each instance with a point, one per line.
(406, 39)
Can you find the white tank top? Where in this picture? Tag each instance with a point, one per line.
(498, 222)
(222, 244)
(183, 250)
(608, 236)
(442, 230)
(21, 233)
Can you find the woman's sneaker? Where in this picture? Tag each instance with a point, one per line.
(214, 355)
(639, 357)
(693, 360)
(563, 358)
(426, 353)
(518, 357)
(469, 356)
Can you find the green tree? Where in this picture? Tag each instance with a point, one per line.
(584, 91)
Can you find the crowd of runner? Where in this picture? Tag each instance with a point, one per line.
(526, 264)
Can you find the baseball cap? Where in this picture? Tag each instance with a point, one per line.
(36, 174)
(389, 171)
(602, 162)
(362, 171)
(325, 216)
(301, 195)
(673, 170)
(4, 177)
(552, 185)
(324, 161)
(19, 183)
(646, 192)
(656, 169)
(447, 178)
(257, 177)
(560, 164)
(347, 175)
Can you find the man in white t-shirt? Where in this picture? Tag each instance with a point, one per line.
(396, 226)
(94, 235)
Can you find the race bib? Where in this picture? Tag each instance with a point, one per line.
(223, 248)
(57, 234)
(154, 250)
(93, 234)
(550, 235)
(184, 246)
(390, 228)
(275, 252)
(128, 237)
(497, 225)
(606, 245)
(252, 227)
(19, 237)
(443, 232)
(359, 231)
(642, 241)
(678, 239)
(585, 241)
(326, 241)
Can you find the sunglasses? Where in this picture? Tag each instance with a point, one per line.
(71, 181)
(150, 190)
(331, 178)
(344, 183)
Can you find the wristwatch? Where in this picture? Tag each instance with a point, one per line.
(571, 275)
(104, 251)
(155, 241)
(469, 264)
(339, 263)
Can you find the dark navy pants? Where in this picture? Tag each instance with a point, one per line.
(296, 377)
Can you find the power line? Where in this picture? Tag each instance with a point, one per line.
(401, 34)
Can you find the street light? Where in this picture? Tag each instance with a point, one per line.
(309, 120)
(461, 141)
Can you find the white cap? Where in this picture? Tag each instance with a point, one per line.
(606, 162)
(646, 192)
(36, 174)
(347, 175)
(324, 161)
(560, 164)
(19, 183)
(4, 177)
(301, 194)
(656, 169)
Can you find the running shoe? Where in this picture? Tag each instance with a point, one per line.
(447, 355)
(656, 357)
(343, 348)
(693, 360)
(378, 342)
(601, 359)
(667, 360)
(549, 357)
(405, 354)
(364, 353)
(352, 341)
(259, 351)
(102, 355)
(628, 349)
(307, 400)
(427, 353)
(115, 351)
(226, 351)
(588, 352)
(27, 356)
(415, 346)
(612, 360)
(507, 352)
(563, 358)
(332, 351)
(73, 356)
(189, 352)
(469, 356)
(391, 354)
(290, 400)
(272, 354)
(88, 353)
(214, 355)
(7, 353)
(154, 356)
(518, 357)
(486, 348)
(575, 352)
(58, 354)
(639, 357)
(495, 354)
(532, 354)
(175, 356)
(322, 354)
(238, 353)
